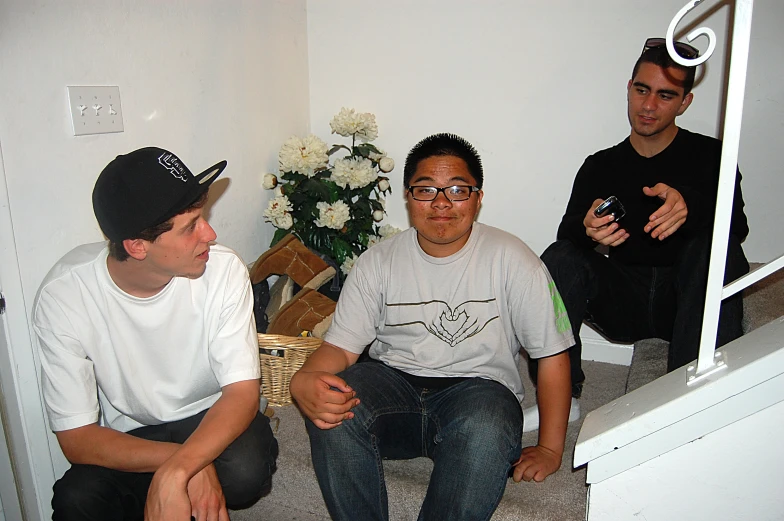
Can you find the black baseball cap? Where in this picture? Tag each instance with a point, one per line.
(145, 188)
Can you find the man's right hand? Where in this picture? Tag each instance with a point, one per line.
(324, 406)
(602, 229)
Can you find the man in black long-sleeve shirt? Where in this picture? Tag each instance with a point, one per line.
(653, 281)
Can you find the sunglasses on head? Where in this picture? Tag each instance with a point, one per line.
(684, 49)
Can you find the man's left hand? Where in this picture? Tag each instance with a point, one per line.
(536, 463)
(206, 495)
(202, 498)
(670, 216)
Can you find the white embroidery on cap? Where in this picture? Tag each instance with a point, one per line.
(173, 164)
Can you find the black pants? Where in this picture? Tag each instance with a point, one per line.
(629, 303)
(89, 492)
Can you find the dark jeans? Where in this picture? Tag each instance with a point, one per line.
(629, 303)
(89, 492)
(471, 430)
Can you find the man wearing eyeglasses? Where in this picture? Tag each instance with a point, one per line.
(445, 308)
(652, 283)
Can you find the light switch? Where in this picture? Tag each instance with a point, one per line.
(95, 110)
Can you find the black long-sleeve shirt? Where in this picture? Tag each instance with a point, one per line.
(690, 164)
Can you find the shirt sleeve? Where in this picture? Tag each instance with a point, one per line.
(358, 311)
(538, 314)
(234, 349)
(68, 381)
(580, 200)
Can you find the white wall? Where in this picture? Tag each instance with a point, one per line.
(208, 79)
(536, 86)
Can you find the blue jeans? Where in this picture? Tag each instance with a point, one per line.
(90, 492)
(629, 303)
(471, 430)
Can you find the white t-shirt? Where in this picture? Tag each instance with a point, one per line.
(463, 315)
(129, 361)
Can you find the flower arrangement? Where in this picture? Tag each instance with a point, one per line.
(334, 209)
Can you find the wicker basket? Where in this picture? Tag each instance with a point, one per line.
(277, 369)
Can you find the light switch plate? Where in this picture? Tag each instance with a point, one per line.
(95, 110)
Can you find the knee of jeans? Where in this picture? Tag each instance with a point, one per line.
(246, 479)
(77, 492)
(496, 428)
(562, 255)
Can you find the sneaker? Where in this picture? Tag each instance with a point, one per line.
(531, 416)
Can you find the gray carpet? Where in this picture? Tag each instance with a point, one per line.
(295, 495)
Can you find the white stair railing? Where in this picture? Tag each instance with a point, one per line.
(711, 361)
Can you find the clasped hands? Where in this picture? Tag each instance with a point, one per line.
(170, 497)
(661, 224)
(316, 395)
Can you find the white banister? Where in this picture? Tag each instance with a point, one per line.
(729, 161)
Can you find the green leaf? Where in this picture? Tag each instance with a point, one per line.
(279, 234)
(335, 148)
(341, 250)
(315, 188)
(294, 176)
(364, 150)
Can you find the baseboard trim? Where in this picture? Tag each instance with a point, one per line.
(598, 349)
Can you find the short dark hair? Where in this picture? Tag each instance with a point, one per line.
(659, 56)
(151, 234)
(444, 144)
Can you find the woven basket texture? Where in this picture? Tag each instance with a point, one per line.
(277, 369)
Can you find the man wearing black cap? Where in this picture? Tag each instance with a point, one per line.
(149, 357)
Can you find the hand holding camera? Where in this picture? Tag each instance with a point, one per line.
(601, 222)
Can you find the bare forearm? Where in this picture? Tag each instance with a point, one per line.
(105, 447)
(229, 417)
(329, 359)
(554, 396)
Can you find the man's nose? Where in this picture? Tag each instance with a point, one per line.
(208, 233)
(441, 200)
(649, 103)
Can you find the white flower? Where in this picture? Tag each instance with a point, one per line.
(386, 164)
(270, 181)
(277, 208)
(284, 222)
(383, 185)
(373, 240)
(354, 172)
(348, 264)
(382, 202)
(304, 156)
(332, 215)
(378, 215)
(278, 191)
(349, 123)
(388, 231)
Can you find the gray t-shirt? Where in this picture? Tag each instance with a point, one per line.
(463, 315)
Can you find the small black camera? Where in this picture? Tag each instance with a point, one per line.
(610, 206)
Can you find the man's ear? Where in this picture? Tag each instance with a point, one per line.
(136, 248)
(687, 99)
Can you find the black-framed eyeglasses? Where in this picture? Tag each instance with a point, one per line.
(453, 193)
(684, 49)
